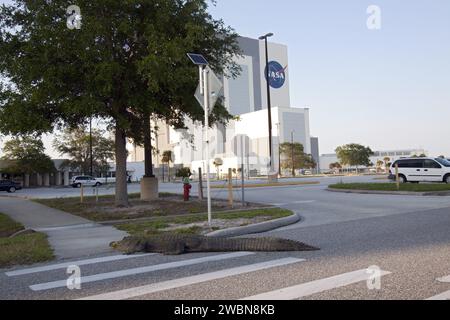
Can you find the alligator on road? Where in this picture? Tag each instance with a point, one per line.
(180, 244)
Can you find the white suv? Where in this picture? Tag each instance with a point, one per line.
(85, 181)
(422, 170)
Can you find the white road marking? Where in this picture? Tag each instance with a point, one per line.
(313, 287)
(183, 282)
(445, 295)
(131, 272)
(77, 263)
(441, 297)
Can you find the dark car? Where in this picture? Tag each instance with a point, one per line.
(9, 186)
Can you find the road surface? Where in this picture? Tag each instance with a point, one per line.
(373, 247)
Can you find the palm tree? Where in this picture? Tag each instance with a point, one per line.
(379, 165)
(167, 157)
(218, 163)
(387, 162)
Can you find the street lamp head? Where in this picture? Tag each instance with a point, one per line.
(268, 35)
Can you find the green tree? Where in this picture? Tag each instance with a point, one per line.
(167, 158)
(76, 144)
(27, 155)
(294, 157)
(126, 63)
(183, 173)
(354, 155)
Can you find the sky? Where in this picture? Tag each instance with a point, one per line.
(387, 88)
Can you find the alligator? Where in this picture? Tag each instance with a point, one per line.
(181, 244)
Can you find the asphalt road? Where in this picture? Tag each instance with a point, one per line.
(406, 238)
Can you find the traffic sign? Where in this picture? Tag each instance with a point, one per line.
(215, 91)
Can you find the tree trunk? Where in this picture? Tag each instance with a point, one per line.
(148, 149)
(121, 169)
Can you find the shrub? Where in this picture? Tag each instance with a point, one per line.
(183, 173)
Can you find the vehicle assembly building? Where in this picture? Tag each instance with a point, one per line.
(244, 140)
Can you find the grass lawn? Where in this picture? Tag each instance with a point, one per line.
(186, 225)
(105, 209)
(24, 249)
(423, 187)
(8, 226)
(263, 185)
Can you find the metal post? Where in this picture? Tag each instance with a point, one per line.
(243, 184)
(243, 141)
(397, 176)
(200, 184)
(230, 187)
(269, 106)
(206, 103)
(82, 194)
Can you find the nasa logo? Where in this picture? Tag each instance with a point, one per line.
(277, 75)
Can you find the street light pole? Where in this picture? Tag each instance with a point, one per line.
(208, 178)
(269, 103)
(205, 91)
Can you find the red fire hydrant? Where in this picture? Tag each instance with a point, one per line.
(187, 189)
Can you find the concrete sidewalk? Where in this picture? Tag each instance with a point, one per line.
(70, 236)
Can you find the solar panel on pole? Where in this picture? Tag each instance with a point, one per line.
(197, 59)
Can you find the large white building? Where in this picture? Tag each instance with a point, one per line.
(245, 140)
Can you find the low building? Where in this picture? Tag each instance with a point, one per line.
(327, 159)
(60, 177)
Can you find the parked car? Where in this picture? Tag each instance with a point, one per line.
(85, 181)
(421, 170)
(9, 186)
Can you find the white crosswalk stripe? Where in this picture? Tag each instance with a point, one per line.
(314, 287)
(440, 297)
(142, 270)
(177, 283)
(445, 295)
(65, 265)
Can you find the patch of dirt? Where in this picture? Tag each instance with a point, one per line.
(168, 206)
